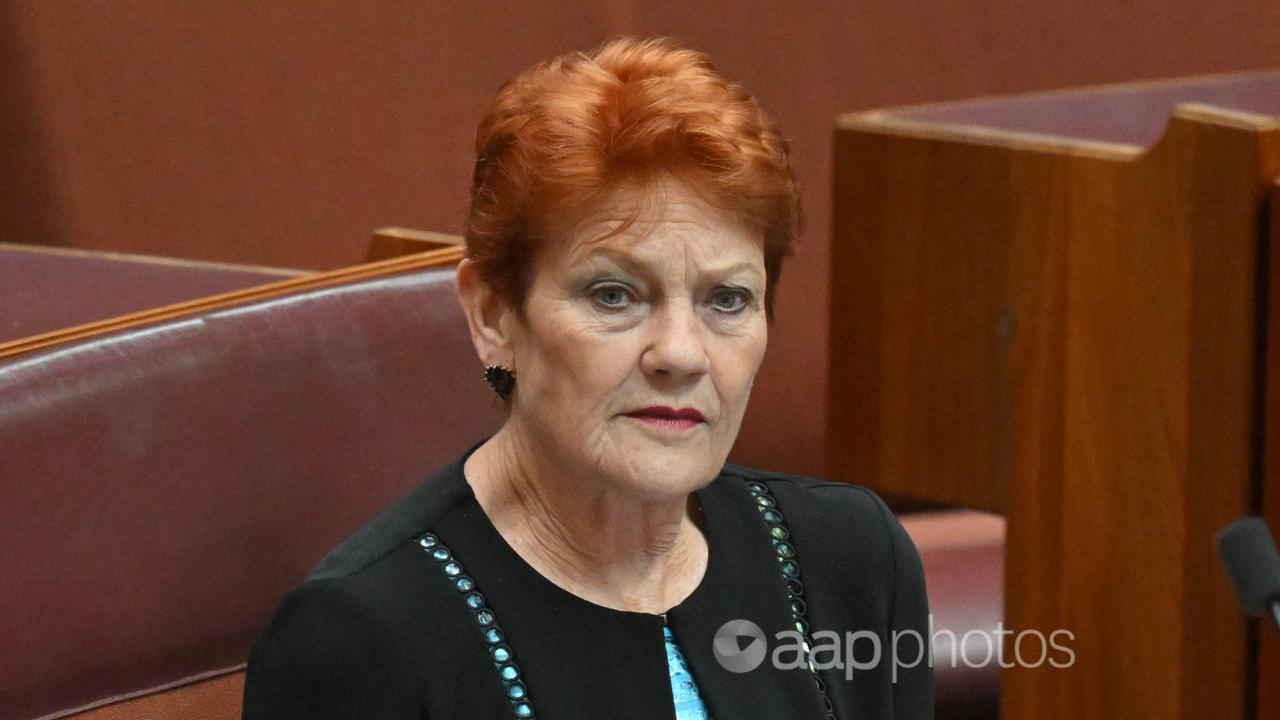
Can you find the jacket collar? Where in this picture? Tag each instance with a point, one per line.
(581, 659)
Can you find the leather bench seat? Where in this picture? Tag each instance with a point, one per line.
(167, 483)
(48, 288)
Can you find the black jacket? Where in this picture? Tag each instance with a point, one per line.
(379, 630)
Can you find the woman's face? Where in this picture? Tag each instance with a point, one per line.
(668, 313)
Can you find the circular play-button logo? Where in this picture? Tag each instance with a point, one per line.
(739, 646)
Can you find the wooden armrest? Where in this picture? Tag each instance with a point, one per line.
(393, 242)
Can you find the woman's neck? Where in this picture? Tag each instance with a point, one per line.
(595, 541)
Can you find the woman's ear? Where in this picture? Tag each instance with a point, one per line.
(488, 316)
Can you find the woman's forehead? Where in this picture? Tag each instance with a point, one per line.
(641, 257)
(660, 225)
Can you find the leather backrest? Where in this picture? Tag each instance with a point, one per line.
(165, 485)
(218, 698)
(963, 556)
(45, 288)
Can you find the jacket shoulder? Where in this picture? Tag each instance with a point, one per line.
(847, 496)
(839, 520)
(395, 525)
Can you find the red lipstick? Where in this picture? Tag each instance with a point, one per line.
(668, 417)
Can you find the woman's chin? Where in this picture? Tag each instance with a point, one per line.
(656, 473)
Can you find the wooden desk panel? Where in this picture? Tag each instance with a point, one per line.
(1266, 639)
(1126, 113)
(1066, 333)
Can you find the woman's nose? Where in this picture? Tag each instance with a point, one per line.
(678, 343)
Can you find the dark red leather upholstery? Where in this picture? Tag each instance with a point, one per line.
(1134, 114)
(963, 555)
(44, 289)
(163, 487)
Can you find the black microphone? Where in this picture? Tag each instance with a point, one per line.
(1249, 554)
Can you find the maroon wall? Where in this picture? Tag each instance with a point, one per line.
(281, 133)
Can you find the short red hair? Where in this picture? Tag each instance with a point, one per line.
(563, 134)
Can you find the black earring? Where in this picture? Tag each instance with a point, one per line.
(502, 378)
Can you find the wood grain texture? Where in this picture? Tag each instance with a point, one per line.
(393, 242)
(1268, 641)
(1066, 333)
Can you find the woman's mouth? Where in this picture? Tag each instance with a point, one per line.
(668, 418)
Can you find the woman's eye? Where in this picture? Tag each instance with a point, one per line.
(730, 301)
(612, 297)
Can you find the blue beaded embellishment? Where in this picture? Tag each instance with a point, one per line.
(487, 622)
(785, 551)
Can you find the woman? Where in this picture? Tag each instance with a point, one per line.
(596, 557)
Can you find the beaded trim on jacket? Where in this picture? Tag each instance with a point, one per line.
(503, 656)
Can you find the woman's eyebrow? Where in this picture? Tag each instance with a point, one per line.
(631, 264)
(624, 260)
(736, 268)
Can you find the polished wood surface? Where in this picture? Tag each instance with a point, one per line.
(1268, 639)
(1067, 333)
(393, 242)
